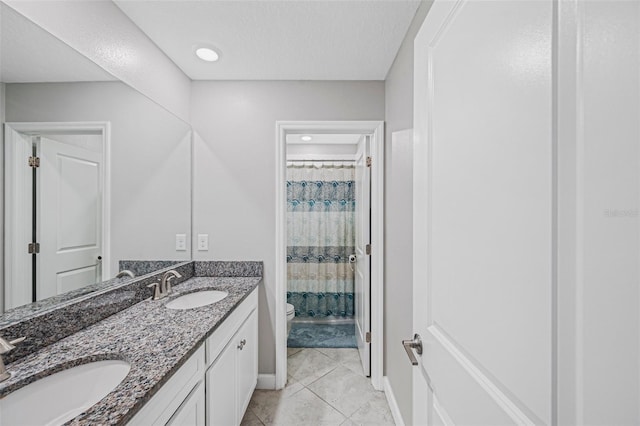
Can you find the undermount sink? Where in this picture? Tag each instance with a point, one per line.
(197, 299)
(58, 398)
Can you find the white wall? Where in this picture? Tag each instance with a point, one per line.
(398, 312)
(321, 151)
(103, 33)
(234, 170)
(150, 160)
(599, 201)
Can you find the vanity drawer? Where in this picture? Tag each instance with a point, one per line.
(219, 339)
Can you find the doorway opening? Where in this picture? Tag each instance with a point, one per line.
(322, 222)
(57, 197)
(329, 240)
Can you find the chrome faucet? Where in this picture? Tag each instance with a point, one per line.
(163, 288)
(4, 348)
(165, 284)
(125, 273)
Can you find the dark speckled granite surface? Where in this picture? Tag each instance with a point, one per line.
(228, 269)
(143, 267)
(155, 340)
(49, 325)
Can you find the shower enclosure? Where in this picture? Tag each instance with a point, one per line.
(320, 239)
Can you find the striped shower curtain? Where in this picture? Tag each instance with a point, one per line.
(320, 238)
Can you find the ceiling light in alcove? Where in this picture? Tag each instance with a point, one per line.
(306, 138)
(207, 54)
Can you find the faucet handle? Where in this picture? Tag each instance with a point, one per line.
(156, 292)
(7, 346)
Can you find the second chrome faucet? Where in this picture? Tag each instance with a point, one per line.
(163, 288)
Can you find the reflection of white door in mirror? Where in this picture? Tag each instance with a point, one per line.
(69, 228)
(66, 222)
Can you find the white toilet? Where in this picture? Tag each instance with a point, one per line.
(291, 313)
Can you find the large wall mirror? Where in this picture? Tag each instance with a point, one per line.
(94, 172)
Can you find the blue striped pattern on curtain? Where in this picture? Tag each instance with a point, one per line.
(321, 236)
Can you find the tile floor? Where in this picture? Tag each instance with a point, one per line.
(325, 387)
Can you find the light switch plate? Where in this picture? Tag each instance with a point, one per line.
(203, 242)
(181, 242)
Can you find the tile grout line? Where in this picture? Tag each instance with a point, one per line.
(256, 416)
(338, 359)
(337, 364)
(336, 408)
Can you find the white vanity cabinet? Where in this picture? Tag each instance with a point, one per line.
(232, 371)
(215, 385)
(192, 410)
(175, 396)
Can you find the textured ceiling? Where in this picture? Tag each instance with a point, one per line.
(278, 40)
(29, 54)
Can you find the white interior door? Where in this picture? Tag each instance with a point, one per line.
(18, 218)
(483, 214)
(69, 217)
(363, 260)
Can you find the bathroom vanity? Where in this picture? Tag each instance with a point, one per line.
(189, 365)
(226, 366)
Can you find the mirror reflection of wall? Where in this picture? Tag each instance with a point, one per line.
(145, 154)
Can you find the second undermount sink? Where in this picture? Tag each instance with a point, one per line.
(58, 398)
(197, 299)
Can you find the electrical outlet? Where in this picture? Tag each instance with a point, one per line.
(203, 242)
(181, 242)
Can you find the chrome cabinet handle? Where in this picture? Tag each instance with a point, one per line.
(242, 343)
(409, 345)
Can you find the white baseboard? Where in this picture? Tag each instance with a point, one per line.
(393, 404)
(266, 381)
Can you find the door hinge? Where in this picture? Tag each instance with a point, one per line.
(33, 248)
(369, 161)
(34, 162)
(368, 249)
(367, 337)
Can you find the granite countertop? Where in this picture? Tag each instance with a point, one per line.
(155, 340)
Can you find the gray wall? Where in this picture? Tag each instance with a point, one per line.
(2, 120)
(398, 312)
(150, 158)
(234, 170)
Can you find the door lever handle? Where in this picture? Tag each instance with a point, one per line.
(409, 345)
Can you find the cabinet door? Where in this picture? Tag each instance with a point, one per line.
(221, 388)
(247, 361)
(192, 411)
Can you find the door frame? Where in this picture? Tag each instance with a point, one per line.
(376, 130)
(14, 214)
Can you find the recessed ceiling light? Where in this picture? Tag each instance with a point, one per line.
(306, 138)
(207, 54)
